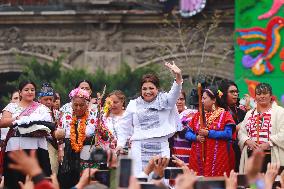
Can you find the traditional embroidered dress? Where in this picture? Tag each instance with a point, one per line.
(31, 129)
(75, 162)
(271, 128)
(151, 124)
(259, 130)
(259, 126)
(218, 153)
(180, 146)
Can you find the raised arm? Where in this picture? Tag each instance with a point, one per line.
(176, 71)
(174, 93)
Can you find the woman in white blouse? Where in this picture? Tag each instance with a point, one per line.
(29, 123)
(117, 109)
(151, 119)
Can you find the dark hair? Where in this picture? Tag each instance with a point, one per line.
(56, 96)
(120, 95)
(12, 93)
(22, 84)
(212, 92)
(193, 98)
(184, 94)
(150, 78)
(261, 87)
(224, 87)
(87, 81)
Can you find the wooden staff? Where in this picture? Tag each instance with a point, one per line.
(201, 117)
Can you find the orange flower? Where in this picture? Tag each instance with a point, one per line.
(77, 145)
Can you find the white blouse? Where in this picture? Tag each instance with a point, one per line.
(17, 143)
(146, 120)
(111, 123)
(66, 120)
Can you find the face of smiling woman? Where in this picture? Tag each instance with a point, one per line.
(28, 93)
(149, 91)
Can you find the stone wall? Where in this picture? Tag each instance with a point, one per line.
(95, 39)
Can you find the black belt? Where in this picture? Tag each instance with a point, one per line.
(88, 140)
(39, 133)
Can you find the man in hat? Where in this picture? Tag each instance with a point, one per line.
(46, 97)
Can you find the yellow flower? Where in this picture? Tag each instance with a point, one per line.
(107, 106)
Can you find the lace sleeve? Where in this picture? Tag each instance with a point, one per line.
(11, 107)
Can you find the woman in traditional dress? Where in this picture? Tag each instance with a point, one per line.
(180, 147)
(30, 122)
(263, 128)
(82, 134)
(211, 149)
(151, 119)
(87, 86)
(230, 99)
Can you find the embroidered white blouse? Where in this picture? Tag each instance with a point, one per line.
(66, 120)
(146, 120)
(111, 123)
(16, 143)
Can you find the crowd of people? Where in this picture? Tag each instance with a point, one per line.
(46, 145)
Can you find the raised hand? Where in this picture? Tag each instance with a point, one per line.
(180, 164)
(254, 164)
(27, 164)
(231, 181)
(173, 67)
(186, 181)
(271, 174)
(160, 165)
(175, 70)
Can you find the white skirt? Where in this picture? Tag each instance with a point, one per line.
(143, 150)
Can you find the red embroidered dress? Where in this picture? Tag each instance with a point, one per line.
(218, 153)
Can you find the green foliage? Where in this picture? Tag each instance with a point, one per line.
(245, 4)
(64, 80)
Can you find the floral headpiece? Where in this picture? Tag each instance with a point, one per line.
(220, 93)
(81, 93)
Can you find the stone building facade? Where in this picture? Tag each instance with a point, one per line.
(105, 35)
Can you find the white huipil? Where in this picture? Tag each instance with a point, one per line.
(149, 124)
(41, 113)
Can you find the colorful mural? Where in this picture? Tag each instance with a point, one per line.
(259, 45)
